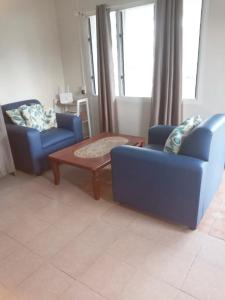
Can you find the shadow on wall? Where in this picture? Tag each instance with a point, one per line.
(133, 115)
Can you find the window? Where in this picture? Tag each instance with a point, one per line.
(138, 40)
(133, 49)
(191, 37)
(92, 39)
(133, 46)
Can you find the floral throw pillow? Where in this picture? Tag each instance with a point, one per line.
(50, 119)
(16, 117)
(34, 116)
(175, 139)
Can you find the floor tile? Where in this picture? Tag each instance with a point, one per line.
(52, 240)
(131, 249)
(160, 230)
(17, 267)
(6, 294)
(213, 251)
(205, 281)
(218, 228)
(93, 207)
(119, 216)
(108, 277)
(25, 229)
(189, 242)
(64, 193)
(32, 203)
(10, 182)
(11, 198)
(45, 284)
(7, 246)
(9, 216)
(113, 252)
(164, 264)
(184, 296)
(77, 257)
(144, 287)
(53, 212)
(102, 234)
(80, 292)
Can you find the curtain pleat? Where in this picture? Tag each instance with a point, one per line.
(106, 84)
(166, 105)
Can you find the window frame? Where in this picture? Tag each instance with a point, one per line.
(91, 58)
(199, 51)
(120, 52)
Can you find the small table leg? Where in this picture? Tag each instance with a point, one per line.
(96, 185)
(56, 171)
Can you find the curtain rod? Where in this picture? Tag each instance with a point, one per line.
(115, 7)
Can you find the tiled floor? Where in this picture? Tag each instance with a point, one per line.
(59, 243)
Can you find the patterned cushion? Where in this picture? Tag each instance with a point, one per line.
(50, 119)
(175, 139)
(16, 117)
(34, 116)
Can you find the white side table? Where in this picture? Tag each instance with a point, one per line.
(81, 109)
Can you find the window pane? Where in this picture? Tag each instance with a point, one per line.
(138, 27)
(191, 33)
(94, 50)
(114, 50)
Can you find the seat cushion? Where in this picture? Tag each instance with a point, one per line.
(55, 135)
(154, 147)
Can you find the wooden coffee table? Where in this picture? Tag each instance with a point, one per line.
(75, 156)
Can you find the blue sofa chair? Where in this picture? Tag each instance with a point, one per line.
(30, 148)
(177, 187)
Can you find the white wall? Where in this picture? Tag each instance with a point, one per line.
(30, 57)
(69, 31)
(211, 80)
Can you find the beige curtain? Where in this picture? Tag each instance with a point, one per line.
(6, 160)
(106, 84)
(167, 83)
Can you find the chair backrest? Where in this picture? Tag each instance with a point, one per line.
(15, 105)
(207, 141)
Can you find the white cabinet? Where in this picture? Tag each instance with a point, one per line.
(79, 108)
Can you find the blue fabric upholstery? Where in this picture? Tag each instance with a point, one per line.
(154, 147)
(177, 187)
(30, 148)
(55, 136)
(157, 135)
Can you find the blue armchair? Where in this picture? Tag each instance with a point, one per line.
(177, 187)
(30, 148)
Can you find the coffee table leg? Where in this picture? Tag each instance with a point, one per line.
(96, 185)
(56, 172)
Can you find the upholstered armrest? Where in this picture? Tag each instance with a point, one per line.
(167, 184)
(72, 123)
(158, 174)
(159, 134)
(26, 136)
(155, 162)
(25, 145)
